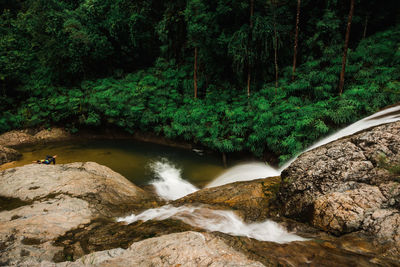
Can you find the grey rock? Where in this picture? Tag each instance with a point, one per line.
(345, 186)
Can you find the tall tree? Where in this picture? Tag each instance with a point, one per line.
(365, 26)
(275, 46)
(249, 47)
(296, 37)
(195, 72)
(346, 46)
(198, 20)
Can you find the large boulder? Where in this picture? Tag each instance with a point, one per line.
(347, 185)
(8, 154)
(53, 134)
(15, 138)
(31, 136)
(56, 199)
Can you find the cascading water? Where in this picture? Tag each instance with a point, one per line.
(169, 183)
(217, 220)
(262, 170)
(385, 116)
(244, 172)
(171, 186)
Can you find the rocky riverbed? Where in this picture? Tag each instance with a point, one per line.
(343, 198)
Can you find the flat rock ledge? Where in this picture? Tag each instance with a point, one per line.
(56, 199)
(348, 185)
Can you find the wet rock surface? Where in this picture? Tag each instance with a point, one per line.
(348, 185)
(101, 235)
(320, 250)
(252, 200)
(8, 155)
(51, 200)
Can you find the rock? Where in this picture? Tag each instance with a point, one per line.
(179, 249)
(343, 212)
(55, 199)
(105, 235)
(54, 134)
(217, 249)
(251, 199)
(346, 185)
(8, 155)
(15, 138)
(320, 250)
(24, 137)
(29, 230)
(107, 191)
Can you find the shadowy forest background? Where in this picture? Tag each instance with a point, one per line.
(217, 73)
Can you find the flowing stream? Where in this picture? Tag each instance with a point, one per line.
(170, 185)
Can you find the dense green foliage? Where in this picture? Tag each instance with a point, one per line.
(87, 63)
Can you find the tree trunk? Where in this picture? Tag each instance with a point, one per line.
(275, 49)
(224, 160)
(296, 37)
(195, 72)
(249, 48)
(365, 26)
(346, 46)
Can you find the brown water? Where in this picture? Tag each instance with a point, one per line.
(127, 157)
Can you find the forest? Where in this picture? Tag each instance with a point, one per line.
(268, 76)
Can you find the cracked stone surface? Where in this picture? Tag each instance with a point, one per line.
(343, 187)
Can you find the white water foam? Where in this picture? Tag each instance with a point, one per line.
(244, 172)
(217, 220)
(169, 183)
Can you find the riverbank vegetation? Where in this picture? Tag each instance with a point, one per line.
(222, 74)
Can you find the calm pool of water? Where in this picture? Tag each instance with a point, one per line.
(129, 158)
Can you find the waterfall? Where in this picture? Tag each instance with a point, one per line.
(244, 172)
(217, 220)
(169, 183)
(249, 172)
(385, 116)
(170, 186)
